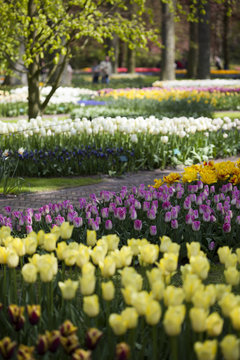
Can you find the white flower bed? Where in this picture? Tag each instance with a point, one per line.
(180, 126)
(62, 95)
(197, 83)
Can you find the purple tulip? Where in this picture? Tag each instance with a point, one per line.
(212, 189)
(238, 220)
(151, 214)
(199, 200)
(174, 212)
(199, 185)
(118, 200)
(105, 213)
(7, 210)
(206, 216)
(138, 225)
(166, 205)
(95, 225)
(196, 225)
(219, 206)
(153, 230)
(108, 225)
(77, 222)
(193, 197)
(137, 204)
(189, 219)
(146, 205)
(212, 218)
(187, 203)
(133, 214)
(59, 220)
(179, 194)
(227, 227)
(227, 219)
(121, 213)
(37, 217)
(211, 246)
(82, 203)
(174, 224)
(216, 198)
(112, 207)
(29, 229)
(168, 216)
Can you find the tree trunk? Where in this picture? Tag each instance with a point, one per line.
(225, 36)
(203, 71)
(168, 41)
(33, 91)
(193, 51)
(116, 54)
(131, 61)
(123, 54)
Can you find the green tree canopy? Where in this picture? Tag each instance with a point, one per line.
(46, 30)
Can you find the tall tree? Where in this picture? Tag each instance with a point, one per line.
(47, 29)
(203, 71)
(168, 42)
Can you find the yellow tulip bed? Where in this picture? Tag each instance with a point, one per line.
(93, 300)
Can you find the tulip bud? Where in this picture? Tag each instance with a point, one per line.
(91, 237)
(230, 347)
(25, 352)
(42, 344)
(108, 290)
(67, 328)
(53, 340)
(93, 337)
(206, 350)
(81, 354)
(122, 351)
(34, 313)
(7, 347)
(91, 305)
(16, 316)
(68, 288)
(69, 343)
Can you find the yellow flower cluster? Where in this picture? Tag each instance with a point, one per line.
(208, 173)
(161, 302)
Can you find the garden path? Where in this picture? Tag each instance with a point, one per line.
(36, 200)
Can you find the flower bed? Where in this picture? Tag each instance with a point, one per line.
(89, 300)
(203, 207)
(129, 144)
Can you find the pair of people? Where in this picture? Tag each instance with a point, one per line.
(104, 69)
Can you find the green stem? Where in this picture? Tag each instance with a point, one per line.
(4, 284)
(14, 285)
(174, 348)
(155, 345)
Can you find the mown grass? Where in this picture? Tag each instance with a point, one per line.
(49, 184)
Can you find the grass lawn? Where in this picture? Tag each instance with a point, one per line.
(230, 114)
(48, 184)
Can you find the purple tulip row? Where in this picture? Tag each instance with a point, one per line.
(196, 208)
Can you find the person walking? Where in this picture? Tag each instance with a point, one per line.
(105, 70)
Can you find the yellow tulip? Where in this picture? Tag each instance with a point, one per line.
(40, 237)
(29, 273)
(66, 230)
(227, 303)
(83, 255)
(214, 324)
(87, 284)
(118, 324)
(173, 319)
(91, 237)
(112, 241)
(129, 277)
(235, 317)
(198, 319)
(133, 244)
(173, 248)
(18, 246)
(157, 290)
(128, 294)
(3, 255)
(231, 260)
(223, 253)
(125, 256)
(91, 305)
(130, 315)
(98, 254)
(230, 347)
(202, 298)
(70, 256)
(165, 243)
(173, 296)
(153, 312)
(61, 247)
(193, 249)
(200, 266)
(155, 274)
(68, 288)
(148, 254)
(30, 243)
(206, 350)
(108, 266)
(108, 290)
(190, 284)
(50, 241)
(12, 259)
(168, 264)
(5, 231)
(221, 290)
(140, 301)
(232, 276)
(88, 269)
